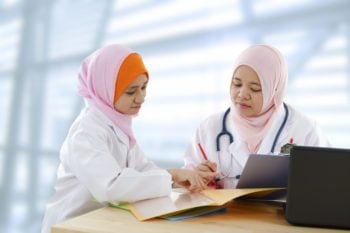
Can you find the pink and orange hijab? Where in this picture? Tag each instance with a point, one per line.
(272, 70)
(103, 77)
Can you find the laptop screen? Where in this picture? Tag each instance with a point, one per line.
(319, 187)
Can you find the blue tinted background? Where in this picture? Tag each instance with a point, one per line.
(189, 47)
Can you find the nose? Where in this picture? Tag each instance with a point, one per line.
(140, 97)
(244, 93)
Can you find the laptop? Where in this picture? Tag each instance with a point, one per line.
(319, 187)
(264, 171)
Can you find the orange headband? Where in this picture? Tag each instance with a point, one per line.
(130, 69)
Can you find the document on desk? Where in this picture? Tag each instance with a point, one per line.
(181, 201)
(195, 212)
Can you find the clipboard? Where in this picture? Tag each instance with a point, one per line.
(265, 171)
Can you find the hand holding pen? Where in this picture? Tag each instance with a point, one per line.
(208, 166)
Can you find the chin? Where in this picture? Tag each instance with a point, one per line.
(134, 111)
(245, 113)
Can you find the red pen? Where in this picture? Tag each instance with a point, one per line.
(216, 179)
(291, 141)
(202, 151)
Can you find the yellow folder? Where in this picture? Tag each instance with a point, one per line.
(180, 200)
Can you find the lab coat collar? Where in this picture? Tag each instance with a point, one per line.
(118, 132)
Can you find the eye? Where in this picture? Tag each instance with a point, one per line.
(255, 90)
(130, 93)
(236, 84)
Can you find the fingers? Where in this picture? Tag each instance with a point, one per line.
(197, 184)
(212, 166)
(194, 181)
(207, 166)
(208, 175)
(207, 170)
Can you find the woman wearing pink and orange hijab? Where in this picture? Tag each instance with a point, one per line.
(258, 121)
(101, 161)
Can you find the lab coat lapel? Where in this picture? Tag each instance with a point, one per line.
(239, 152)
(237, 149)
(118, 132)
(121, 135)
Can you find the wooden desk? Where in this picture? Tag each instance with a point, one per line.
(242, 216)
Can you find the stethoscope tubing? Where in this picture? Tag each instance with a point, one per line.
(224, 130)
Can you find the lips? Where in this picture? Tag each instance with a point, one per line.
(243, 106)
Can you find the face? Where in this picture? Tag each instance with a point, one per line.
(130, 101)
(246, 92)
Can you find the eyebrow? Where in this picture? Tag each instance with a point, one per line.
(252, 83)
(136, 86)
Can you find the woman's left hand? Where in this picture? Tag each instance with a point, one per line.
(194, 181)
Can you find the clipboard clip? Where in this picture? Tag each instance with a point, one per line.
(286, 148)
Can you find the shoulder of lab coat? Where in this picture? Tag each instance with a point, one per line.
(304, 130)
(89, 152)
(299, 127)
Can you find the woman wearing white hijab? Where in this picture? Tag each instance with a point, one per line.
(256, 116)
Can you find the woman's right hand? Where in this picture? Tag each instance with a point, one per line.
(207, 166)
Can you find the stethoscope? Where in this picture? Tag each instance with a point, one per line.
(224, 130)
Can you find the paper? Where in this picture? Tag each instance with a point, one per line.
(174, 203)
(196, 212)
(222, 196)
(180, 201)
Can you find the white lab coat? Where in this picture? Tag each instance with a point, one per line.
(232, 157)
(97, 167)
